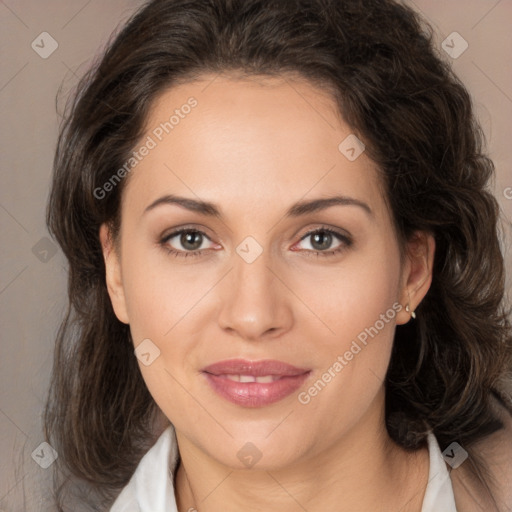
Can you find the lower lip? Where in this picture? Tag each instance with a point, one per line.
(255, 394)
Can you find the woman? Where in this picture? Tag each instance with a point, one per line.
(286, 286)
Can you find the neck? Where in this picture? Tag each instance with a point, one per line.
(363, 470)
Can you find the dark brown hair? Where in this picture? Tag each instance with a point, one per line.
(377, 60)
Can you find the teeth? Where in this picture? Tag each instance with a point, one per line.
(266, 379)
(250, 378)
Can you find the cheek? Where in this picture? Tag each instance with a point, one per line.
(353, 296)
(160, 305)
(157, 292)
(165, 305)
(357, 304)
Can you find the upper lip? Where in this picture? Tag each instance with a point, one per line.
(254, 368)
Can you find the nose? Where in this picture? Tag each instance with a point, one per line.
(255, 304)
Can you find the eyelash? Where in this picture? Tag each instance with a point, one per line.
(347, 242)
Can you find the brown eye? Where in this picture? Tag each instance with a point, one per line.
(321, 241)
(188, 242)
(191, 240)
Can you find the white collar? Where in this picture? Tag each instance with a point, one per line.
(439, 492)
(151, 487)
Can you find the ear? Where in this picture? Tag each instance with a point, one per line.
(416, 274)
(113, 274)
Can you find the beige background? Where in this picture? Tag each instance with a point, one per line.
(32, 291)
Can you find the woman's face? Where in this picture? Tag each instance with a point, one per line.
(250, 280)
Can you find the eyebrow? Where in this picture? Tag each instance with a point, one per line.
(298, 209)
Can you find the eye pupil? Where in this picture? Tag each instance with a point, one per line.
(323, 239)
(188, 238)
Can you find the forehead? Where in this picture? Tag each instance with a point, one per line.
(253, 141)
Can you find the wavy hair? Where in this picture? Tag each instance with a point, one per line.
(449, 367)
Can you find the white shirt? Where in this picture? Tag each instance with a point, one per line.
(151, 489)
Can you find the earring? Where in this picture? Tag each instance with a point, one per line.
(408, 309)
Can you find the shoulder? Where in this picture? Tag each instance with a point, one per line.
(495, 451)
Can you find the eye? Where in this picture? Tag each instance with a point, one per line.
(322, 240)
(191, 241)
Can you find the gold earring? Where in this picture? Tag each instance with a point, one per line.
(408, 309)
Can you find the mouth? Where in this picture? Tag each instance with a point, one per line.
(254, 383)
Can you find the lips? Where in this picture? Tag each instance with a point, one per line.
(254, 383)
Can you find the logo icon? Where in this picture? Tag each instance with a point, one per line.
(454, 45)
(249, 454)
(44, 45)
(44, 455)
(147, 352)
(249, 250)
(351, 147)
(455, 455)
(44, 250)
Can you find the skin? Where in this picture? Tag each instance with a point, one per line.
(254, 148)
